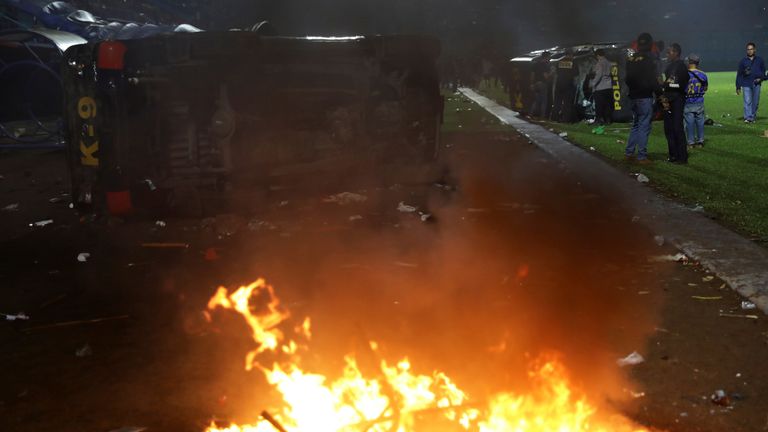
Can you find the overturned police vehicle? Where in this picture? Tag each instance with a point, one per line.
(518, 78)
(167, 119)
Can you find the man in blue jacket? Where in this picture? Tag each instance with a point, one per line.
(750, 74)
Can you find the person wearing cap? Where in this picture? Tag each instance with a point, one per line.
(673, 104)
(602, 87)
(694, 103)
(642, 80)
(749, 76)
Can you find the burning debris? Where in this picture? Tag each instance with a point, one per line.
(398, 398)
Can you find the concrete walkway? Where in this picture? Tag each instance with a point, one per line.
(738, 261)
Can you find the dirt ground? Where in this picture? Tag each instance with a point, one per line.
(506, 249)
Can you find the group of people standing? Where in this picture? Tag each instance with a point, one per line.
(674, 92)
(679, 94)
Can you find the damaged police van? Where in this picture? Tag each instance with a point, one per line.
(173, 119)
(518, 78)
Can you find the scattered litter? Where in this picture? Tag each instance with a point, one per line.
(83, 256)
(257, 225)
(55, 200)
(150, 184)
(425, 216)
(445, 186)
(643, 292)
(355, 217)
(477, 210)
(707, 278)
(84, 351)
(165, 245)
(748, 305)
(592, 149)
(129, 429)
(14, 317)
(697, 208)
(11, 207)
(160, 223)
(707, 297)
(283, 203)
(620, 141)
(42, 223)
(225, 224)
(345, 198)
(642, 178)
(719, 397)
(683, 414)
(635, 219)
(730, 315)
(693, 284)
(632, 359)
(659, 239)
(405, 264)
(563, 134)
(405, 208)
(679, 257)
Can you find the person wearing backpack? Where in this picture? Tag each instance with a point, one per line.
(694, 103)
(749, 76)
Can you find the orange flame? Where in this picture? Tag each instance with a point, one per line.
(399, 399)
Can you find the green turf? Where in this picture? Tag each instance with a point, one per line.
(727, 177)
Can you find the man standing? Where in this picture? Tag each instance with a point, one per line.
(673, 102)
(750, 74)
(642, 81)
(694, 103)
(541, 77)
(565, 88)
(602, 87)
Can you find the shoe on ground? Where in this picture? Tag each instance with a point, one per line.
(700, 144)
(644, 161)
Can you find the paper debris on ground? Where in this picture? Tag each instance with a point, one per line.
(84, 351)
(14, 317)
(11, 207)
(83, 256)
(642, 178)
(632, 359)
(405, 208)
(355, 217)
(345, 198)
(679, 257)
(42, 223)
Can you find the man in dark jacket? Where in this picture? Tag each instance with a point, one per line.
(643, 83)
(673, 104)
(565, 88)
(749, 76)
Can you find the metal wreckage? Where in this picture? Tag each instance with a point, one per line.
(176, 119)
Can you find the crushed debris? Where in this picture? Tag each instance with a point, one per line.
(345, 198)
(632, 359)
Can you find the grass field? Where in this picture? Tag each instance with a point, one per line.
(728, 177)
